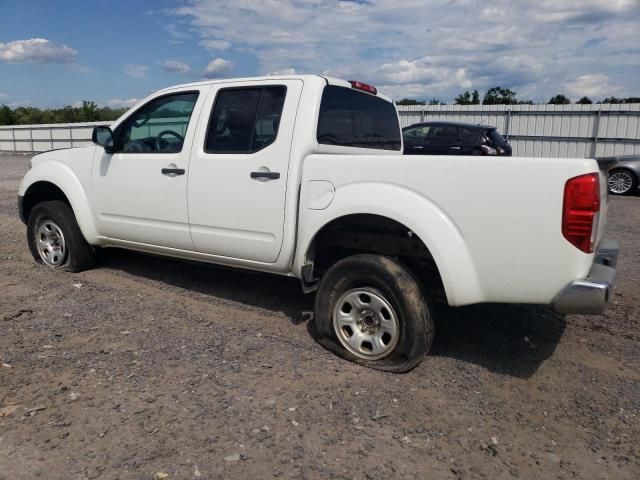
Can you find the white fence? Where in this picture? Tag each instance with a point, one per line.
(39, 138)
(547, 130)
(532, 130)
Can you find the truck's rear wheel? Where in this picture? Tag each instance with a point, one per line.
(55, 238)
(369, 309)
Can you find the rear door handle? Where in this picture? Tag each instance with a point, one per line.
(173, 171)
(267, 175)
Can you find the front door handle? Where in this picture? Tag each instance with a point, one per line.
(267, 175)
(173, 171)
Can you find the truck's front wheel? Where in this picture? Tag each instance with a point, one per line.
(55, 238)
(369, 309)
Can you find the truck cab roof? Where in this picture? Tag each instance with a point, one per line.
(304, 77)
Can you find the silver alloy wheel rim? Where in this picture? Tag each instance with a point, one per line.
(366, 324)
(620, 182)
(51, 244)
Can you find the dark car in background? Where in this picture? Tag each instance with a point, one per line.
(624, 175)
(452, 138)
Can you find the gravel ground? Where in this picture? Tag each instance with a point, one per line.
(146, 367)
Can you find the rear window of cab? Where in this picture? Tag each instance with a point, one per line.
(350, 118)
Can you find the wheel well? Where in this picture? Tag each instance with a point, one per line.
(41, 192)
(367, 233)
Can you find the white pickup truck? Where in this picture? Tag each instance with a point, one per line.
(304, 176)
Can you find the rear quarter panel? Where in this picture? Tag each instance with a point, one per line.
(493, 224)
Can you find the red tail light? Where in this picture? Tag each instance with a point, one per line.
(580, 211)
(363, 86)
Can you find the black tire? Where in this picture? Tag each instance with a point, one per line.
(398, 287)
(78, 255)
(632, 181)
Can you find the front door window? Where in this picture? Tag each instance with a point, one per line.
(159, 126)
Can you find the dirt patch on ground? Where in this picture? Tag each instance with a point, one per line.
(148, 367)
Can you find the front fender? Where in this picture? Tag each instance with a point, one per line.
(418, 213)
(65, 179)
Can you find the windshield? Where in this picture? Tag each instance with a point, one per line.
(351, 118)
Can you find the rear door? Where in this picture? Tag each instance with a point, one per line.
(238, 169)
(444, 140)
(471, 141)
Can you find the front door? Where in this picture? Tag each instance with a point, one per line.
(415, 140)
(239, 167)
(140, 191)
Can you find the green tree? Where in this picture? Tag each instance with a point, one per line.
(463, 98)
(87, 112)
(409, 101)
(435, 101)
(6, 116)
(468, 98)
(500, 96)
(612, 100)
(559, 99)
(621, 100)
(584, 101)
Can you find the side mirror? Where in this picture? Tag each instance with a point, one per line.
(103, 136)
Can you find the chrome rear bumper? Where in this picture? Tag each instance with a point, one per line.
(591, 295)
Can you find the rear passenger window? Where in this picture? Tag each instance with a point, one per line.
(350, 118)
(471, 136)
(444, 133)
(245, 120)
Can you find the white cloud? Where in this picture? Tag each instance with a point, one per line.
(409, 90)
(36, 50)
(518, 67)
(562, 10)
(216, 67)
(81, 68)
(3, 95)
(120, 103)
(424, 71)
(178, 34)
(136, 70)
(284, 71)
(610, 5)
(436, 48)
(175, 66)
(20, 103)
(214, 44)
(591, 85)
